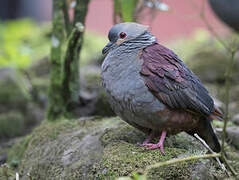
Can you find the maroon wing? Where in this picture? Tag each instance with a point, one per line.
(168, 78)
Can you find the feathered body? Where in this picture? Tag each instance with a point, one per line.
(149, 87)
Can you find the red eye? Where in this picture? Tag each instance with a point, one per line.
(122, 35)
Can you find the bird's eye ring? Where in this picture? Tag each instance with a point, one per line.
(122, 35)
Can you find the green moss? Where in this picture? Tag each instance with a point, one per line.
(16, 152)
(122, 155)
(176, 171)
(95, 148)
(44, 151)
(122, 133)
(48, 131)
(11, 124)
(122, 158)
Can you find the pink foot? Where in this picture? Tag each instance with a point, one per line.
(155, 146)
(147, 140)
(150, 146)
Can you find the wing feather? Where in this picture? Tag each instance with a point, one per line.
(168, 78)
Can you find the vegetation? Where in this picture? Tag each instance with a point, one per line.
(130, 10)
(19, 46)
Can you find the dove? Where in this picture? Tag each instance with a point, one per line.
(149, 87)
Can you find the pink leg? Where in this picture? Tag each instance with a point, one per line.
(147, 140)
(159, 144)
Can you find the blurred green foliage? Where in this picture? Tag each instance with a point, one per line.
(22, 41)
(199, 41)
(92, 47)
(126, 9)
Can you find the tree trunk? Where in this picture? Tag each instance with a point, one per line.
(64, 80)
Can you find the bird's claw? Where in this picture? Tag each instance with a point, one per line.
(140, 144)
(150, 146)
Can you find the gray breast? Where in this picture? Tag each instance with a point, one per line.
(126, 91)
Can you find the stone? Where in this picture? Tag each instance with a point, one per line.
(18, 111)
(233, 135)
(103, 148)
(209, 65)
(235, 119)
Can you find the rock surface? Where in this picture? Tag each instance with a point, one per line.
(17, 111)
(96, 148)
(235, 119)
(209, 63)
(233, 135)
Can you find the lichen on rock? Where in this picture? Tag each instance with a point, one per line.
(105, 148)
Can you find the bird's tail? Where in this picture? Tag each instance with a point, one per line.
(206, 132)
(216, 114)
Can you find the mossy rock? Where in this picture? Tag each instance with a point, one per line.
(92, 94)
(17, 110)
(210, 65)
(11, 124)
(12, 92)
(96, 148)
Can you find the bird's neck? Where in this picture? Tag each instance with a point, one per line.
(140, 42)
(143, 40)
(132, 47)
(146, 38)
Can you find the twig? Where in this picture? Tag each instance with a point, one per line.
(228, 165)
(227, 97)
(174, 161)
(210, 28)
(217, 159)
(17, 176)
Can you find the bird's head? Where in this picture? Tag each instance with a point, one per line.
(123, 32)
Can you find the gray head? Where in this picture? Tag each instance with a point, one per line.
(122, 32)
